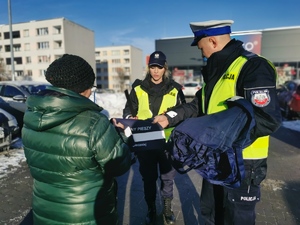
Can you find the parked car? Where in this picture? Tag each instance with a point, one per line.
(16, 92)
(13, 95)
(289, 98)
(8, 127)
(189, 89)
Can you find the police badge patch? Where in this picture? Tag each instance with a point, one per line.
(260, 98)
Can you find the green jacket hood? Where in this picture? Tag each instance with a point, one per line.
(54, 106)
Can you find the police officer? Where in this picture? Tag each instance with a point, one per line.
(150, 97)
(232, 71)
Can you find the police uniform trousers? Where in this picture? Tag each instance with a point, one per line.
(152, 161)
(230, 206)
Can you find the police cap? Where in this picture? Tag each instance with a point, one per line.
(210, 28)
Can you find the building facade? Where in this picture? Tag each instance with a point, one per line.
(279, 45)
(37, 43)
(118, 66)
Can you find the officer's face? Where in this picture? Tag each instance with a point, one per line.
(207, 46)
(156, 73)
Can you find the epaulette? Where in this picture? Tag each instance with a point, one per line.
(249, 55)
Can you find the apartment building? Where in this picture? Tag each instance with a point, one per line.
(37, 43)
(117, 67)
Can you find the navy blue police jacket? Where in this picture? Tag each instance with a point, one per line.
(213, 144)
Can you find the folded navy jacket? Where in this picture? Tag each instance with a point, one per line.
(213, 144)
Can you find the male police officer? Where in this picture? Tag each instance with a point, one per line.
(232, 71)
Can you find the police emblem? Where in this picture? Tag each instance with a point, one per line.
(260, 98)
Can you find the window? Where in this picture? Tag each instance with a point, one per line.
(115, 61)
(15, 34)
(115, 52)
(43, 59)
(42, 72)
(29, 72)
(127, 69)
(7, 48)
(26, 33)
(17, 47)
(56, 29)
(57, 44)
(10, 91)
(126, 52)
(42, 31)
(27, 46)
(43, 45)
(127, 60)
(18, 60)
(28, 59)
(19, 72)
(97, 53)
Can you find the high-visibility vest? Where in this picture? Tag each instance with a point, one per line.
(224, 89)
(144, 112)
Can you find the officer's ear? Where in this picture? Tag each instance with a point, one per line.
(213, 41)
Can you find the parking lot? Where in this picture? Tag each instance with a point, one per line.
(278, 206)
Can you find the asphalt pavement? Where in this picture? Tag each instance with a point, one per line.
(279, 203)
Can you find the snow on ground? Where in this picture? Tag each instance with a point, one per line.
(113, 104)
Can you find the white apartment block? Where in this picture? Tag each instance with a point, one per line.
(117, 67)
(37, 43)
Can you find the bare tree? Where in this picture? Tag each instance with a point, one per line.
(121, 75)
(3, 75)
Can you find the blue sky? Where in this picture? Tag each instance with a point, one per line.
(139, 23)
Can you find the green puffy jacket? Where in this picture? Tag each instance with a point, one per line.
(73, 153)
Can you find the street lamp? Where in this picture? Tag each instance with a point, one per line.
(11, 43)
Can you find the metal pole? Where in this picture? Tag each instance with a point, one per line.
(11, 43)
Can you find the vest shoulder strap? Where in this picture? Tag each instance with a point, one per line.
(249, 55)
(182, 97)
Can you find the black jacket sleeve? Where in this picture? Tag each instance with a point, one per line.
(132, 100)
(258, 81)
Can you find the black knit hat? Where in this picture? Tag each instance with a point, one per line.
(71, 72)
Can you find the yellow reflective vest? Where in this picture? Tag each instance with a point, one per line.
(224, 89)
(144, 112)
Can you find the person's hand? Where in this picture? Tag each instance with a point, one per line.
(162, 120)
(133, 117)
(118, 124)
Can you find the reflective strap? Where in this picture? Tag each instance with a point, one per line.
(169, 100)
(149, 136)
(258, 149)
(144, 111)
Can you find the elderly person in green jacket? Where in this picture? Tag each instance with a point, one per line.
(73, 151)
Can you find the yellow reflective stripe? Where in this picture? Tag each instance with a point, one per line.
(258, 149)
(203, 98)
(168, 132)
(168, 101)
(226, 85)
(143, 111)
